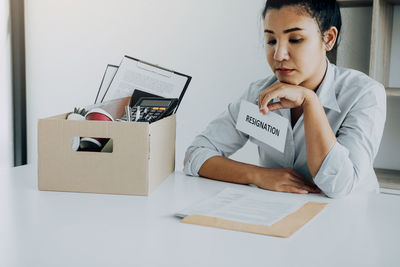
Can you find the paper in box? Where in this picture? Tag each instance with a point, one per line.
(143, 154)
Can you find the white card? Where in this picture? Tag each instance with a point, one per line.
(270, 129)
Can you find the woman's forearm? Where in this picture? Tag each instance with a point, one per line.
(319, 135)
(227, 170)
(277, 179)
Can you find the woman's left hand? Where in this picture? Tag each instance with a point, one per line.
(290, 96)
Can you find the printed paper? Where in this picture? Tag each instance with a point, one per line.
(243, 206)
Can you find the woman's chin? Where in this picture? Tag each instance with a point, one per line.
(288, 80)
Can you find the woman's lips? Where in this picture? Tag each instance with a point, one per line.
(284, 71)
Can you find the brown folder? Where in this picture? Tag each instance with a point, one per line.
(285, 227)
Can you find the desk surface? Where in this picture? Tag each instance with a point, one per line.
(39, 228)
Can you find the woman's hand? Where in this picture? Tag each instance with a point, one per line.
(285, 180)
(291, 96)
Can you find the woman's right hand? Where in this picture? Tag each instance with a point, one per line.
(284, 180)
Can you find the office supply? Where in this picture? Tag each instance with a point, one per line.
(138, 94)
(90, 144)
(136, 74)
(98, 114)
(137, 115)
(108, 75)
(151, 109)
(80, 112)
(77, 114)
(270, 129)
(128, 113)
(251, 211)
(95, 144)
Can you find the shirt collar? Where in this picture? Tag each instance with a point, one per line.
(326, 92)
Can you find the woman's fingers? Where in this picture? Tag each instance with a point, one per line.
(275, 106)
(300, 181)
(298, 188)
(266, 95)
(290, 96)
(293, 189)
(300, 177)
(305, 186)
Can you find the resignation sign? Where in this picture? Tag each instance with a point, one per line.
(270, 129)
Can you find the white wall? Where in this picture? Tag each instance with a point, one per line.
(219, 43)
(69, 43)
(6, 142)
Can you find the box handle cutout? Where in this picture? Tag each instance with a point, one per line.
(92, 144)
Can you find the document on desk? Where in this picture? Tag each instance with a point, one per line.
(243, 206)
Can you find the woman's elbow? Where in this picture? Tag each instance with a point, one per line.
(339, 184)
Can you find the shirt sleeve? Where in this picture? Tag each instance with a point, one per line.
(351, 158)
(221, 138)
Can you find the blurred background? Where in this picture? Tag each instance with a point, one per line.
(68, 44)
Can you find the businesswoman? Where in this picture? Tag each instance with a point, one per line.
(337, 115)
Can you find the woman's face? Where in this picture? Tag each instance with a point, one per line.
(294, 46)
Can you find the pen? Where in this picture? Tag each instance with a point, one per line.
(128, 113)
(137, 113)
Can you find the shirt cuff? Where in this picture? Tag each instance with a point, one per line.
(196, 159)
(335, 177)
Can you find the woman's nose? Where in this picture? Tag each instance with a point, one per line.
(281, 52)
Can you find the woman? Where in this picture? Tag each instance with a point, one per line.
(337, 115)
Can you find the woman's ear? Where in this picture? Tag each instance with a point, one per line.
(330, 36)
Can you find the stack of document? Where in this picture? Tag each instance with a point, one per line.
(134, 74)
(243, 206)
(253, 212)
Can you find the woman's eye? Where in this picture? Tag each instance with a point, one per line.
(295, 41)
(271, 42)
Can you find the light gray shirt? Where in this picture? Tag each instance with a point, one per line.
(355, 106)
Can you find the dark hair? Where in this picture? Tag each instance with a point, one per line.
(325, 12)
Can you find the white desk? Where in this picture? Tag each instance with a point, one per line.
(39, 228)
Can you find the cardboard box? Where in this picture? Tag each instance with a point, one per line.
(143, 154)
